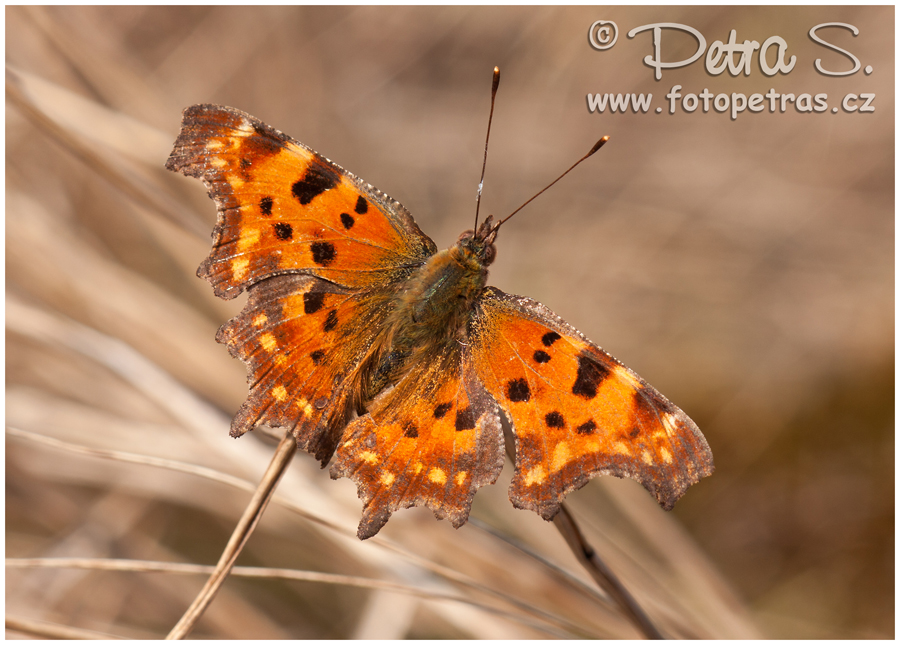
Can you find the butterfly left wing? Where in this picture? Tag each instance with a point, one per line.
(321, 253)
(577, 412)
(432, 440)
(284, 208)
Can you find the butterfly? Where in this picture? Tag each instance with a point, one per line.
(370, 344)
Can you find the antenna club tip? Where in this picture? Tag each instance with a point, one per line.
(599, 145)
(496, 80)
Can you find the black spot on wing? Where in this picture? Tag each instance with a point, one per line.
(313, 301)
(465, 420)
(589, 377)
(317, 356)
(517, 390)
(361, 205)
(540, 356)
(347, 220)
(555, 420)
(410, 431)
(550, 337)
(322, 253)
(587, 427)
(284, 231)
(265, 205)
(267, 141)
(316, 181)
(331, 321)
(442, 409)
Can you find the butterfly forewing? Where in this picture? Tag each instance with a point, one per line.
(285, 208)
(576, 411)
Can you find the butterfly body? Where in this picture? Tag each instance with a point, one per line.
(352, 310)
(430, 311)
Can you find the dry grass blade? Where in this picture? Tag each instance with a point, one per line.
(602, 574)
(144, 460)
(570, 578)
(20, 88)
(540, 620)
(564, 630)
(40, 629)
(242, 532)
(594, 565)
(145, 566)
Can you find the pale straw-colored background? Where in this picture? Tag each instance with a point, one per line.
(745, 268)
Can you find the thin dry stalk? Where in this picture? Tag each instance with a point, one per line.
(563, 628)
(602, 574)
(128, 457)
(40, 629)
(596, 568)
(528, 609)
(239, 537)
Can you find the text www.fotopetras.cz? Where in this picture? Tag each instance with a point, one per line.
(735, 103)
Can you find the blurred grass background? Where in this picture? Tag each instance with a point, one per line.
(744, 268)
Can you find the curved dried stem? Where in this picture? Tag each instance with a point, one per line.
(568, 628)
(129, 457)
(563, 573)
(592, 563)
(239, 537)
(563, 629)
(602, 574)
(41, 629)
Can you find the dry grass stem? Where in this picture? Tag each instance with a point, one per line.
(34, 98)
(242, 532)
(44, 630)
(213, 475)
(602, 574)
(594, 565)
(552, 625)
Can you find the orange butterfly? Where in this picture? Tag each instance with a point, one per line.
(352, 309)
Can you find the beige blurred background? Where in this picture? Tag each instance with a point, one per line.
(744, 268)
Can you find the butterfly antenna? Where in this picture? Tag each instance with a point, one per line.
(596, 147)
(494, 84)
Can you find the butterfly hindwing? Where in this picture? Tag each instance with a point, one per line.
(432, 440)
(285, 208)
(576, 411)
(301, 337)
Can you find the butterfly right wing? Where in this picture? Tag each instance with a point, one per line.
(576, 411)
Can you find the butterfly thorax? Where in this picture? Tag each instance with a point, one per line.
(431, 311)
